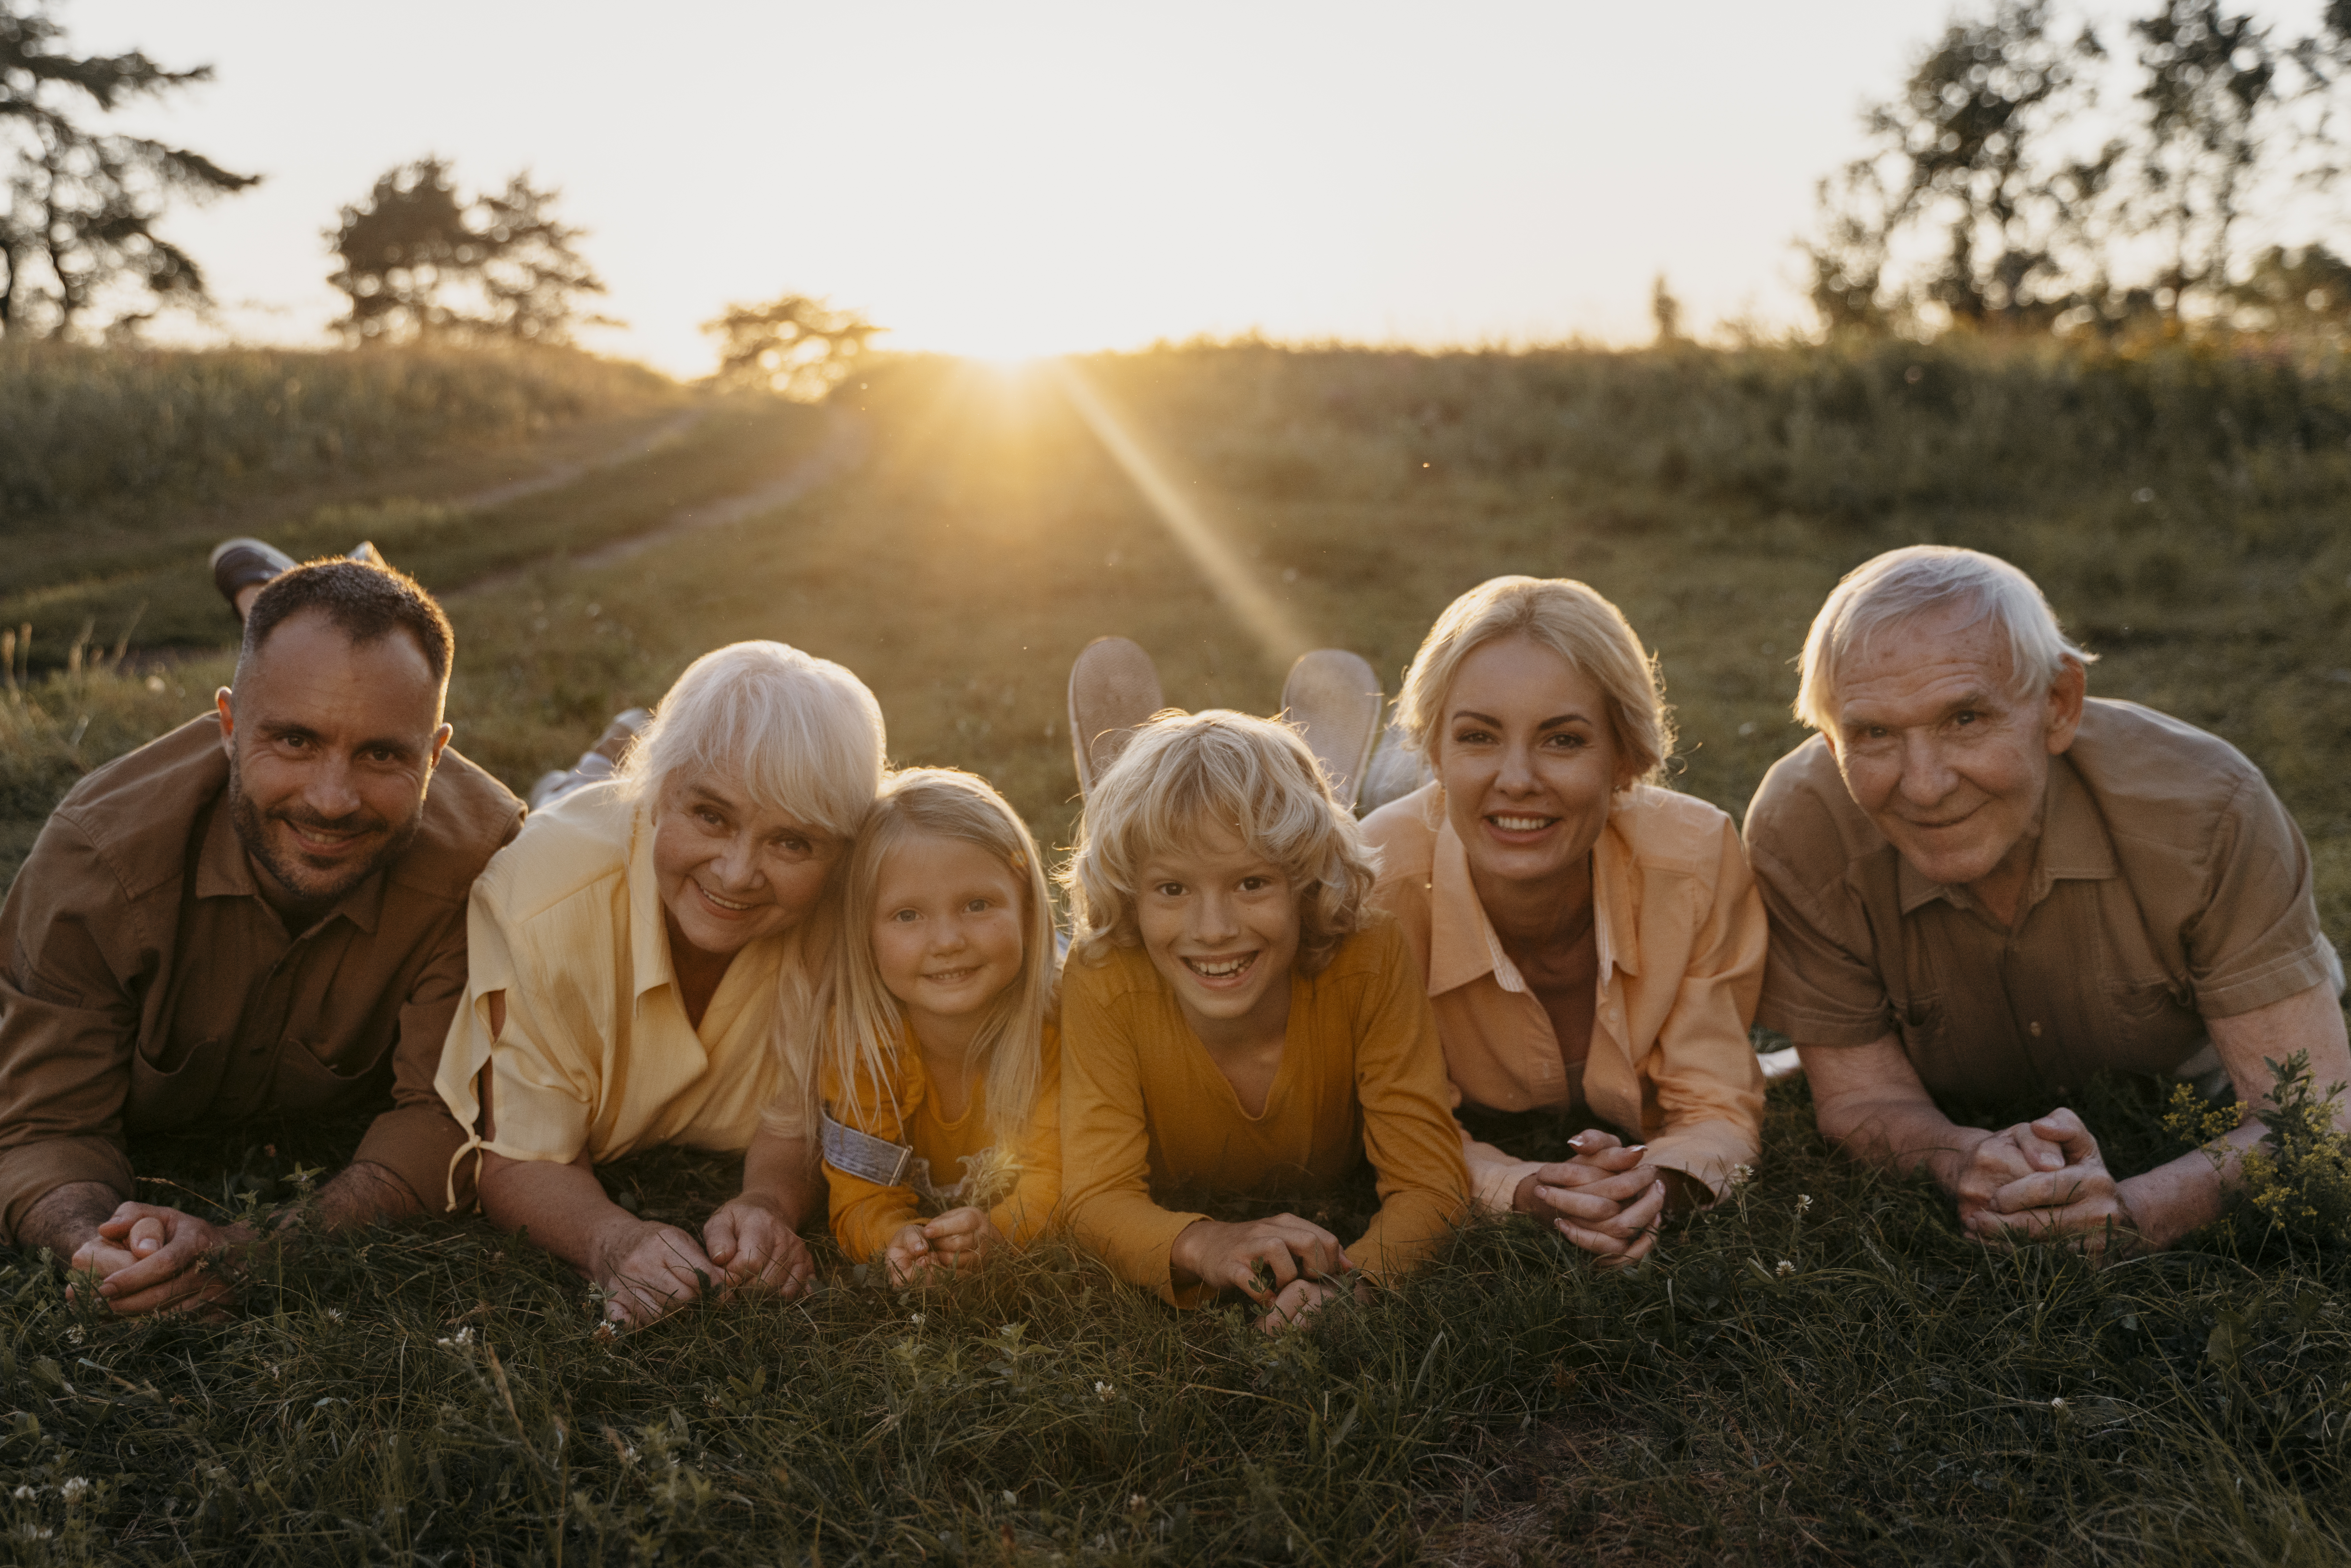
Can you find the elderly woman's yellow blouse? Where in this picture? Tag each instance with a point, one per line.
(596, 1053)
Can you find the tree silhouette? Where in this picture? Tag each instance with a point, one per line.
(79, 208)
(1959, 152)
(417, 259)
(793, 344)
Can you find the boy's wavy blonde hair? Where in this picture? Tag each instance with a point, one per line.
(868, 1023)
(1256, 777)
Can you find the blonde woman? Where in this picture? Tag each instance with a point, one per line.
(942, 1081)
(1592, 943)
(647, 960)
(1236, 1022)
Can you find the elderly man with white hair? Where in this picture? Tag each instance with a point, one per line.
(1985, 885)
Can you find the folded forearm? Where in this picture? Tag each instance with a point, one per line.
(66, 1216)
(1900, 1134)
(563, 1206)
(784, 1170)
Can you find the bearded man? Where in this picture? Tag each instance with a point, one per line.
(1985, 885)
(263, 913)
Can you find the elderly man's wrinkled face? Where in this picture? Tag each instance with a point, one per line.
(731, 870)
(1946, 756)
(331, 746)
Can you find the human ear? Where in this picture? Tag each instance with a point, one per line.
(225, 704)
(2066, 695)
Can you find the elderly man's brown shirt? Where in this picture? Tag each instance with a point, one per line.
(2169, 886)
(145, 984)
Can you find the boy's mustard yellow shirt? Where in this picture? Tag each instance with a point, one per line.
(1143, 1107)
(865, 1214)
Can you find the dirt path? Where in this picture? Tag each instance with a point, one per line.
(840, 451)
(557, 474)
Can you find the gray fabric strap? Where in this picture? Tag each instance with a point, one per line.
(863, 1155)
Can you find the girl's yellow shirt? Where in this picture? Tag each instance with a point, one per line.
(1145, 1109)
(905, 1111)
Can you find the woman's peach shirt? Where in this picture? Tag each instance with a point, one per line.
(1681, 933)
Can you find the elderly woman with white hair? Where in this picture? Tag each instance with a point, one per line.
(1592, 943)
(645, 967)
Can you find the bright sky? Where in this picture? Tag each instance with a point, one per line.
(1025, 178)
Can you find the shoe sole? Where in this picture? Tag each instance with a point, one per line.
(1333, 698)
(1113, 691)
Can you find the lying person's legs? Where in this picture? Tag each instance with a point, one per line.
(242, 568)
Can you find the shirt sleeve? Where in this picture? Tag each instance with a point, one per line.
(418, 1140)
(1033, 1205)
(866, 1214)
(1821, 984)
(1409, 1134)
(70, 966)
(2257, 939)
(1106, 1141)
(1707, 1083)
(544, 1063)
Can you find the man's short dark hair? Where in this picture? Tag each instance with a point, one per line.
(363, 600)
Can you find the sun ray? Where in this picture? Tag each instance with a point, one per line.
(1264, 617)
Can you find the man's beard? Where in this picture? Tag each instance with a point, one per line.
(311, 896)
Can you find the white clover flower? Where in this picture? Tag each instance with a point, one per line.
(72, 1487)
(76, 1333)
(1010, 1498)
(2058, 1404)
(1804, 1202)
(1105, 1393)
(334, 1314)
(915, 1319)
(1741, 1175)
(1008, 1330)
(1136, 1502)
(25, 1493)
(1785, 1269)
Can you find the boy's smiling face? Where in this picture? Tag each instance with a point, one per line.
(1220, 924)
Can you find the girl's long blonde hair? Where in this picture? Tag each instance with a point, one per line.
(868, 1023)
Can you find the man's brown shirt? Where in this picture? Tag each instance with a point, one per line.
(145, 985)
(2169, 886)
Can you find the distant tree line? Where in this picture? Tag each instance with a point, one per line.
(1998, 192)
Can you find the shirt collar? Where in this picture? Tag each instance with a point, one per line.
(1462, 942)
(649, 957)
(2073, 847)
(225, 870)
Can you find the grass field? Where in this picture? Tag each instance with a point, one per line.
(1820, 1372)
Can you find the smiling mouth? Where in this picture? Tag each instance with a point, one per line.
(325, 843)
(1522, 824)
(728, 904)
(1221, 969)
(950, 976)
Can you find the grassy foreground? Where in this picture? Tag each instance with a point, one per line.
(1820, 1372)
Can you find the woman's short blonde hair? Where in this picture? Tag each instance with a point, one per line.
(868, 1023)
(1570, 620)
(800, 733)
(1255, 776)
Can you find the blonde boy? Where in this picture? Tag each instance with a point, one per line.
(1235, 1020)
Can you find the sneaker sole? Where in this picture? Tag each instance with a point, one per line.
(1113, 690)
(1333, 698)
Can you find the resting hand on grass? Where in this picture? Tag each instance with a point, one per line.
(1259, 1258)
(751, 1239)
(1608, 1198)
(2067, 1192)
(958, 1240)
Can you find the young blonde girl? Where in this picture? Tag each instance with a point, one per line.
(941, 1076)
(1237, 1020)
